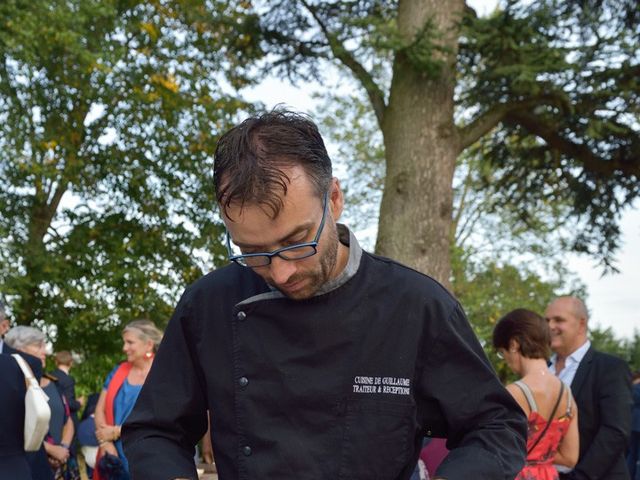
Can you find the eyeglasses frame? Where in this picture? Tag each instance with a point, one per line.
(314, 244)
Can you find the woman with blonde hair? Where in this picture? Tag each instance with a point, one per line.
(141, 339)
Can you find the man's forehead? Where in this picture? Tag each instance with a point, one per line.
(295, 192)
(291, 207)
(561, 308)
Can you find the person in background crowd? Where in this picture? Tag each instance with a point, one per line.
(122, 386)
(90, 406)
(633, 458)
(13, 459)
(86, 434)
(5, 325)
(57, 443)
(601, 385)
(67, 385)
(64, 362)
(522, 338)
(316, 359)
(433, 455)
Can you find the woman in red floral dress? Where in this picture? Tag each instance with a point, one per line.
(522, 338)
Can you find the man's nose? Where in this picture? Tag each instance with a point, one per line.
(281, 270)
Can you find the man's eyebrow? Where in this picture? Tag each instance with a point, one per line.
(300, 228)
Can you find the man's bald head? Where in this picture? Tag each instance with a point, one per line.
(577, 306)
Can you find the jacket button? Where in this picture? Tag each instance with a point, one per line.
(246, 450)
(241, 315)
(428, 433)
(243, 381)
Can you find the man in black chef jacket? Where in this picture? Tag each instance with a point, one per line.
(317, 360)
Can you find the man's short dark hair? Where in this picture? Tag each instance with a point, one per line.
(528, 328)
(250, 158)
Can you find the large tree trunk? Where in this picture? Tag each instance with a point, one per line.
(421, 147)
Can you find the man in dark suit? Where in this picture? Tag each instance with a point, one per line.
(67, 383)
(34, 363)
(601, 385)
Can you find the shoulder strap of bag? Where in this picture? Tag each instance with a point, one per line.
(29, 377)
(546, 427)
(114, 385)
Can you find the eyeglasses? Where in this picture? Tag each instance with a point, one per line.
(292, 252)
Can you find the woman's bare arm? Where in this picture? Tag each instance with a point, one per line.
(569, 448)
(67, 432)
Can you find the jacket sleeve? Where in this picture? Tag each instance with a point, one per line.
(614, 402)
(485, 427)
(69, 390)
(170, 414)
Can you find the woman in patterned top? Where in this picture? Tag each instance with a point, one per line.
(522, 339)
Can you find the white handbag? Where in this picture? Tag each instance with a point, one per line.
(37, 412)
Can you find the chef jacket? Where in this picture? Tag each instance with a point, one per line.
(343, 385)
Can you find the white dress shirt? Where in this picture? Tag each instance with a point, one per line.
(571, 364)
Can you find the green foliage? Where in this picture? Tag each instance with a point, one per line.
(604, 339)
(360, 155)
(488, 289)
(501, 223)
(567, 75)
(301, 36)
(90, 373)
(109, 113)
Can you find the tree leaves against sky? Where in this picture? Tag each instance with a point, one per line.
(109, 114)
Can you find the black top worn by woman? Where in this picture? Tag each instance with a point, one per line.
(13, 461)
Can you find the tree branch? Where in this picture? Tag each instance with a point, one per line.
(466, 230)
(376, 97)
(591, 162)
(471, 133)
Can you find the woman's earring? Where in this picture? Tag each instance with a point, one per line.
(148, 354)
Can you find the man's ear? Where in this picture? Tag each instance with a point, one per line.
(336, 199)
(584, 324)
(514, 345)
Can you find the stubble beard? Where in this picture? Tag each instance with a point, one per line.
(319, 277)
